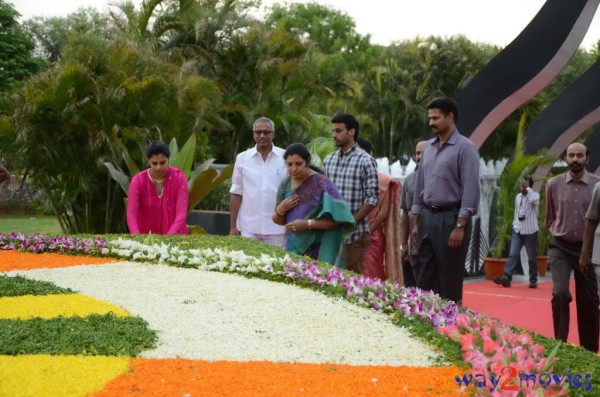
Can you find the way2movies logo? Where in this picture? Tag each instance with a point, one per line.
(510, 379)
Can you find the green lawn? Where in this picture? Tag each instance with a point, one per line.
(29, 224)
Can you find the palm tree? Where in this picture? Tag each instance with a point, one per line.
(386, 99)
(56, 123)
(101, 99)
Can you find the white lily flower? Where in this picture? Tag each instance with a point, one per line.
(251, 269)
(221, 265)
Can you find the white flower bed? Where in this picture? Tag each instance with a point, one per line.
(216, 316)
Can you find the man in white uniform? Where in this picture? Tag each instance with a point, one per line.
(257, 174)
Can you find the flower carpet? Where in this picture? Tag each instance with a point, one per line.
(154, 320)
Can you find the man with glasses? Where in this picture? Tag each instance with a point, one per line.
(257, 174)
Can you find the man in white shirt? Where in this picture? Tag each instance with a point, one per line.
(257, 174)
(524, 233)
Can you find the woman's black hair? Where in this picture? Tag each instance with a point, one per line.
(301, 150)
(365, 144)
(158, 147)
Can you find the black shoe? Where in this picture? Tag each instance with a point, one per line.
(502, 281)
(532, 284)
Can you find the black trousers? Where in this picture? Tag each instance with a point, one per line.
(408, 273)
(442, 268)
(564, 258)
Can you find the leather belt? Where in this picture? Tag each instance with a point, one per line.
(442, 208)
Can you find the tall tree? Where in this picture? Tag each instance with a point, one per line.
(199, 35)
(386, 99)
(51, 34)
(327, 32)
(262, 72)
(398, 84)
(17, 60)
(332, 31)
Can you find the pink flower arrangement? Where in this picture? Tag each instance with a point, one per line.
(504, 363)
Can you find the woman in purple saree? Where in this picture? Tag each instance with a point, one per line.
(316, 216)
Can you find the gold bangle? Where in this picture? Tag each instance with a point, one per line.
(277, 212)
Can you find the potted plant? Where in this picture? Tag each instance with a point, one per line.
(543, 241)
(507, 187)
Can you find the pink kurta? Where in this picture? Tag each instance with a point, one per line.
(148, 213)
(382, 258)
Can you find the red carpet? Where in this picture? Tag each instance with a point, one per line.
(518, 305)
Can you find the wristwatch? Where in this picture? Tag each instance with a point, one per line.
(459, 225)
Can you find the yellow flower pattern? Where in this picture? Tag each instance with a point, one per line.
(51, 306)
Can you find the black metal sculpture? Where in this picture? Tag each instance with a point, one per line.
(524, 67)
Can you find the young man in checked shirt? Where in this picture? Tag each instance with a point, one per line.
(354, 173)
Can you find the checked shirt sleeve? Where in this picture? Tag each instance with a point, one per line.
(371, 183)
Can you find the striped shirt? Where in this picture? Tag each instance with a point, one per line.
(354, 173)
(526, 206)
(567, 202)
(448, 175)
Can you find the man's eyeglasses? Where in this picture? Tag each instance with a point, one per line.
(263, 132)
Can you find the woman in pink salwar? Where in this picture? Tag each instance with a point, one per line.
(382, 258)
(158, 196)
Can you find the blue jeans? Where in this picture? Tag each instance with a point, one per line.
(517, 242)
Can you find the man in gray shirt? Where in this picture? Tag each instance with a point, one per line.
(446, 197)
(410, 252)
(590, 251)
(568, 197)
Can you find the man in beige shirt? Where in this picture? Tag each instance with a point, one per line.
(568, 197)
